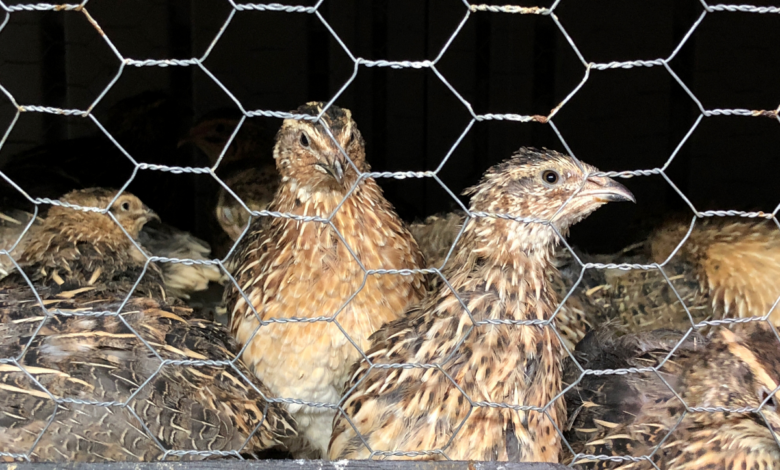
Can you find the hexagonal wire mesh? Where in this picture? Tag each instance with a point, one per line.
(358, 62)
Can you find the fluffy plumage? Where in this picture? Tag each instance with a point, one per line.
(436, 236)
(82, 265)
(638, 299)
(293, 269)
(99, 358)
(735, 261)
(13, 224)
(499, 270)
(256, 187)
(630, 415)
(726, 268)
(87, 248)
(159, 239)
(169, 242)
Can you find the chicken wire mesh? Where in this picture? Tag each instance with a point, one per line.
(469, 10)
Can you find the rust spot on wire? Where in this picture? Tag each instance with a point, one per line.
(770, 114)
(553, 112)
(93, 22)
(66, 7)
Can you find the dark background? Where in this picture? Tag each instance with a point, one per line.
(500, 63)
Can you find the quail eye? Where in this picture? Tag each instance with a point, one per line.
(125, 206)
(550, 177)
(304, 140)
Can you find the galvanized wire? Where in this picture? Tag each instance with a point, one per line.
(469, 10)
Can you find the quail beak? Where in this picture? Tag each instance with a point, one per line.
(333, 168)
(604, 190)
(151, 215)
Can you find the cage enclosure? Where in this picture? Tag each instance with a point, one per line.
(180, 103)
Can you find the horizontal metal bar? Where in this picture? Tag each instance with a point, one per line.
(290, 465)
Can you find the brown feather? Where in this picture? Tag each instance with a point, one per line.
(294, 269)
(256, 187)
(84, 349)
(737, 262)
(630, 415)
(499, 270)
(156, 238)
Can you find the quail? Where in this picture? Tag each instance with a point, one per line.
(485, 331)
